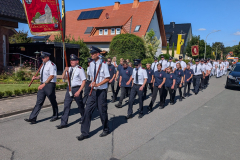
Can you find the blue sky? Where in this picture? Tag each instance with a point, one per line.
(204, 15)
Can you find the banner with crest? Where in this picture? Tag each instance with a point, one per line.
(195, 50)
(42, 16)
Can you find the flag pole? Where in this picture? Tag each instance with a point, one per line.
(63, 41)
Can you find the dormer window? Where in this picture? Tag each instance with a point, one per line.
(112, 31)
(105, 31)
(100, 31)
(118, 31)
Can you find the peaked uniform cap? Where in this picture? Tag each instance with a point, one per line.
(45, 54)
(95, 50)
(73, 57)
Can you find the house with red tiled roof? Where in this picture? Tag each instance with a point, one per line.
(98, 26)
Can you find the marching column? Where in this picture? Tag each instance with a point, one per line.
(198, 73)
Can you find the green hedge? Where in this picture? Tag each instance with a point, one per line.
(1, 94)
(145, 61)
(17, 92)
(8, 93)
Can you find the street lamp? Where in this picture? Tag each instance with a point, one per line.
(206, 41)
(216, 51)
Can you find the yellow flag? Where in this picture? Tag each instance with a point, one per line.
(180, 42)
(213, 54)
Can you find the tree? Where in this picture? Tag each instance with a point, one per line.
(173, 50)
(20, 37)
(127, 46)
(151, 43)
(197, 41)
(84, 51)
(220, 48)
(168, 48)
(236, 50)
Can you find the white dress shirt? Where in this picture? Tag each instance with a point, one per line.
(49, 70)
(154, 66)
(199, 69)
(172, 64)
(183, 64)
(78, 76)
(142, 74)
(210, 65)
(164, 64)
(103, 73)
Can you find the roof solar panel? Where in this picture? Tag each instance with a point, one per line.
(90, 14)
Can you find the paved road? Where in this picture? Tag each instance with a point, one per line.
(202, 127)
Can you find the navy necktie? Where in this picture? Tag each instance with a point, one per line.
(95, 70)
(42, 73)
(137, 76)
(196, 69)
(70, 77)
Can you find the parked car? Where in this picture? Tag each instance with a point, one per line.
(233, 78)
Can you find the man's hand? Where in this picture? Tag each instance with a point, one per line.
(128, 83)
(33, 78)
(41, 86)
(141, 88)
(160, 86)
(172, 87)
(93, 84)
(77, 94)
(116, 79)
(110, 81)
(203, 77)
(180, 85)
(66, 69)
(119, 84)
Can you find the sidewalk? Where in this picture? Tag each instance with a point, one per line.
(23, 104)
(14, 106)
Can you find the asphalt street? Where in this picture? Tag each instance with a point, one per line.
(201, 127)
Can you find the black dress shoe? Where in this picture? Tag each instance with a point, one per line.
(171, 103)
(149, 108)
(180, 99)
(113, 100)
(61, 126)
(31, 121)
(81, 137)
(54, 119)
(119, 105)
(140, 116)
(183, 97)
(161, 107)
(129, 116)
(103, 134)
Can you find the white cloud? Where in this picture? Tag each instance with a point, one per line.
(202, 29)
(234, 40)
(237, 33)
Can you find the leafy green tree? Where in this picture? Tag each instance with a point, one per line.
(236, 50)
(168, 48)
(127, 46)
(151, 43)
(20, 37)
(220, 48)
(173, 50)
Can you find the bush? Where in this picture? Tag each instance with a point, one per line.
(127, 46)
(30, 90)
(35, 90)
(20, 76)
(8, 93)
(166, 56)
(17, 92)
(145, 61)
(57, 87)
(1, 94)
(24, 91)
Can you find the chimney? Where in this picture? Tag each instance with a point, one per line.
(135, 3)
(116, 6)
(172, 24)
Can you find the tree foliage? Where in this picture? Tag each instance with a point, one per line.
(20, 37)
(83, 51)
(197, 41)
(151, 43)
(220, 48)
(236, 50)
(127, 46)
(173, 50)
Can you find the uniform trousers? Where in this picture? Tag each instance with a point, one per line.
(135, 91)
(162, 93)
(87, 90)
(180, 91)
(196, 82)
(112, 88)
(67, 104)
(171, 93)
(218, 73)
(117, 90)
(124, 92)
(146, 87)
(187, 85)
(98, 99)
(47, 91)
(202, 82)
